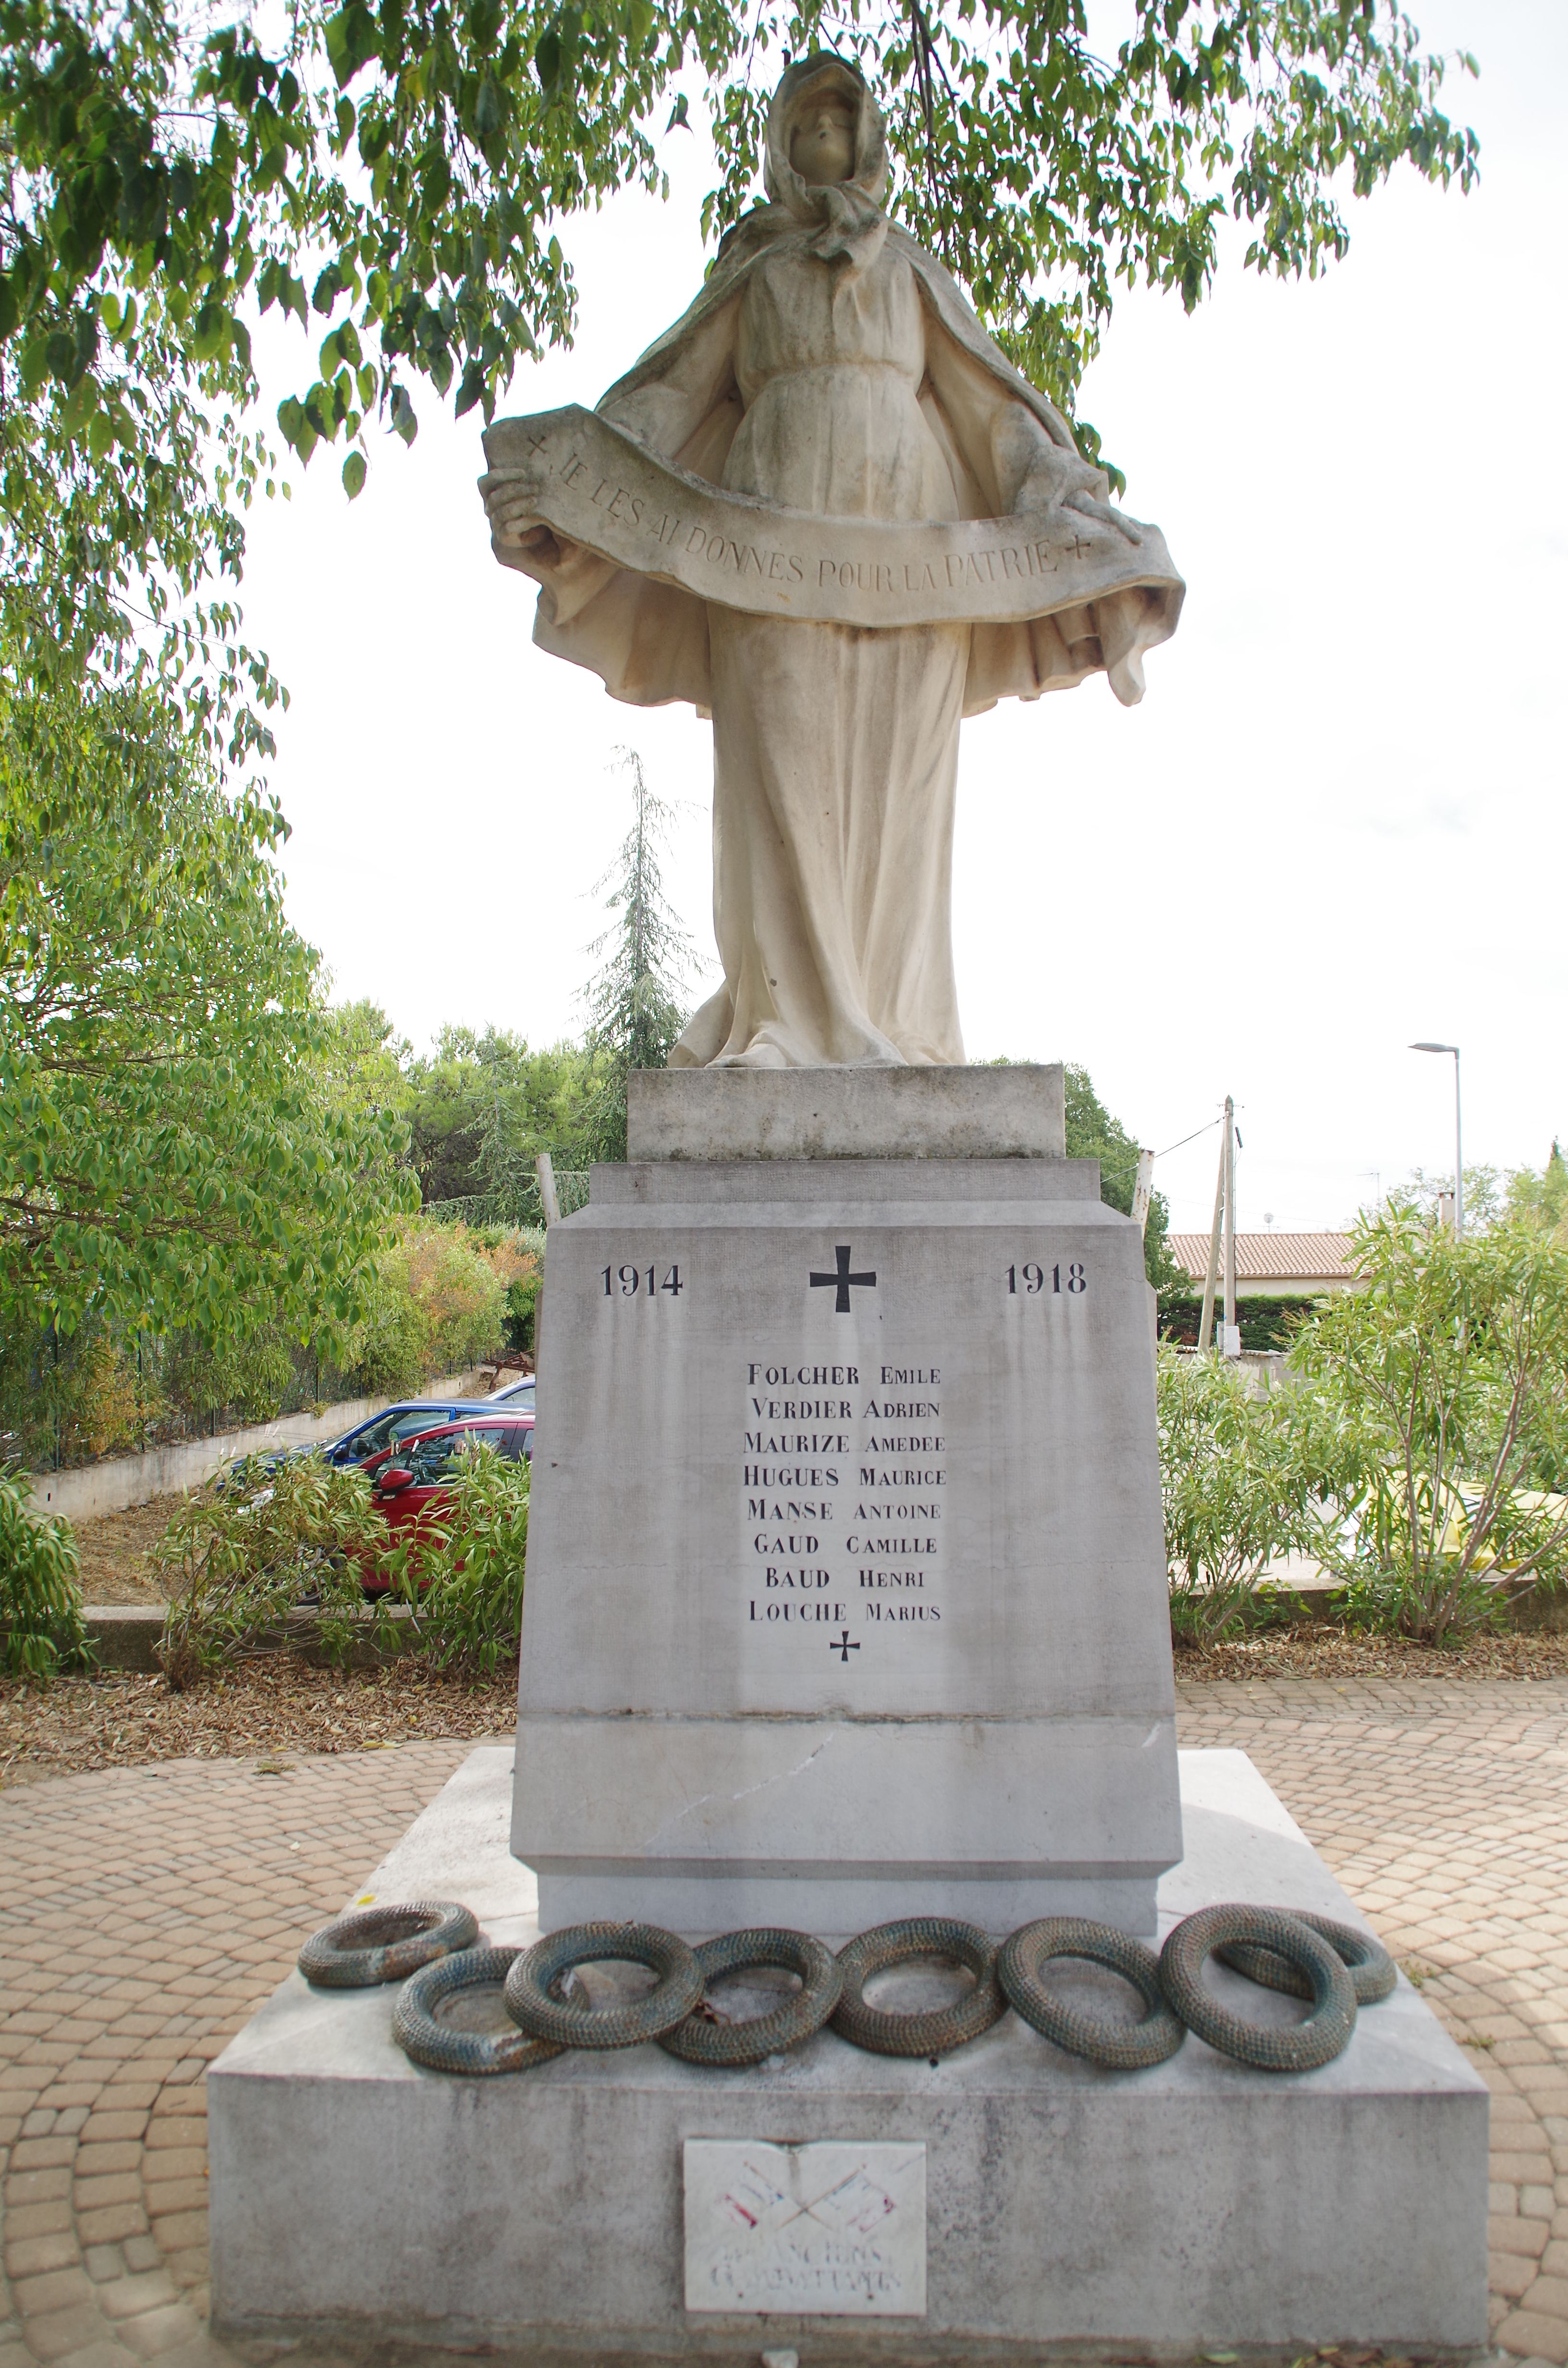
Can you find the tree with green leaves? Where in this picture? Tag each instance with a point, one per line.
(635, 1004)
(1539, 1198)
(481, 1108)
(171, 1158)
(395, 174)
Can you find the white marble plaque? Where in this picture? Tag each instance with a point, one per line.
(828, 2229)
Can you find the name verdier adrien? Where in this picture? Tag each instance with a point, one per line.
(889, 1516)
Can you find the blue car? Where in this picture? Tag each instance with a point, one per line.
(396, 1422)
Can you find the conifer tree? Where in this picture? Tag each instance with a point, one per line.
(635, 1001)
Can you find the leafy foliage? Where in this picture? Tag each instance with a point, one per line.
(169, 1155)
(394, 177)
(1541, 1199)
(461, 1572)
(482, 1107)
(271, 1549)
(1439, 1415)
(41, 1627)
(1234, 1488)
(1265, 1319)
(440, 1304)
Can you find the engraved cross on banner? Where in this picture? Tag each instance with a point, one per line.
(842, 1281)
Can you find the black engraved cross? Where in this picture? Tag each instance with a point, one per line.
(842, 1645)
(841, 1280)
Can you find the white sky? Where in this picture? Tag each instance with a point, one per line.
(1336, 822)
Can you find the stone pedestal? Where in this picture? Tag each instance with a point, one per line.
(846, 1592)
(1194, 2206)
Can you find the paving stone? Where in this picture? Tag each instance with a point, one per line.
(63, 2332)
(42, 2154)
(38, 2219)
(124, 2187)
(1511, 2273)
(176, 2162)
(95, 2161)
(1530, 2332)
(27, 2257)
(103, 2262)
(109, 2223)
(128, 2296)
(54, 2289)
(156, 2332)
(169, 2195)
(174, 2229)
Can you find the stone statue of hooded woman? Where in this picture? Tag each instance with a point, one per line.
(830, 366)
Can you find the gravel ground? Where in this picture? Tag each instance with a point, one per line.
(1314, 1651)
(265, 1708)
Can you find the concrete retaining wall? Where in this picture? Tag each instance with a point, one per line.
(125, 1480)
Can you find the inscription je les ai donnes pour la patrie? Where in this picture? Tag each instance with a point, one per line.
(843, 1483)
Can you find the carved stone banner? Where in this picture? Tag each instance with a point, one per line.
(593, 485)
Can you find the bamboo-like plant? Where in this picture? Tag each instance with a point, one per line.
(461, 1571)
(271, 1550)
(1438, 1417)
(1235, 1490)
(41, 1627)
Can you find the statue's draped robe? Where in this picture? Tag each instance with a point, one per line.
(851, 384)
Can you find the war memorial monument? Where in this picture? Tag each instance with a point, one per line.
(846, 1600)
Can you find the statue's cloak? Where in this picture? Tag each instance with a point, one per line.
(648, 639)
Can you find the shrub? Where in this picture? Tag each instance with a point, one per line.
(40, 1594)
(463, 1573)
(1440, 1393)
(1234, 1488)
(267, 1547)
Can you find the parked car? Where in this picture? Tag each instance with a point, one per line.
(519, 1393)
(372, 1437)
(410, 1479)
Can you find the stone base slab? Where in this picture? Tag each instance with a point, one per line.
(915, 1113)
(1195, 2205)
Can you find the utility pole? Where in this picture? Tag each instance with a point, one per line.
(1231, 1342)
(1205, 1328)
(1224, 1215)
(1143, 1191)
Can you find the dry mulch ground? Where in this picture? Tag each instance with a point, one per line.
(281, 1704)
(1317, 1652)
(113, 1549)
(265, 1707)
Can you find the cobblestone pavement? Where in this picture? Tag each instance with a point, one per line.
(147, 1911)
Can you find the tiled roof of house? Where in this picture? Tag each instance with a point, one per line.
(1295, 1261)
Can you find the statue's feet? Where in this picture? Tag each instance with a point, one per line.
(758, 1055)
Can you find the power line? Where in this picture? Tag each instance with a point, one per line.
(1106, 1177)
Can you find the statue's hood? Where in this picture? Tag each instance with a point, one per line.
(847, 215)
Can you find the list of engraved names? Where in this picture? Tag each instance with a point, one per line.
(844, 1496)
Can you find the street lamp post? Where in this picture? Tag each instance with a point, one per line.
(1459, 1137)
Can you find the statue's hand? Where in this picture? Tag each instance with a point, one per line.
(515, 523)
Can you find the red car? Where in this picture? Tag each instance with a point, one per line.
(409, 1480)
